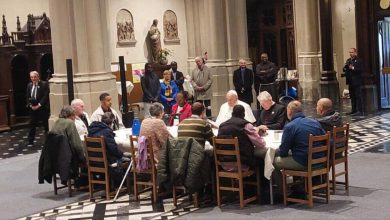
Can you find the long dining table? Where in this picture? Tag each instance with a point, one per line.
(272, 139)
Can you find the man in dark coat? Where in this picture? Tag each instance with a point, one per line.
(103, 129)
(243, 81)
(177, 76)
(265, 77)
(273, 116)
(329, 117)
(37, 96)
(353, 69)
(150, 84)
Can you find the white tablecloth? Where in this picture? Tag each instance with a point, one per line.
(272, 139)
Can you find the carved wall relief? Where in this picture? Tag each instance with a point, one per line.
(171, 32)
(125, 29)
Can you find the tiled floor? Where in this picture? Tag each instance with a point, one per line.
(14, 143)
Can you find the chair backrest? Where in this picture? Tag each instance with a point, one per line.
(318, 153)
(96, 153)
(134, 153)
(340, 137)
(227, 153)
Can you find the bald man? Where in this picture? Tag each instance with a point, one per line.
(225, 112)
(329, 117)
(243, 81)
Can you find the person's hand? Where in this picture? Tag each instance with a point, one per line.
(35, 107)
(351, 66)
(169, 99)
(262, 129)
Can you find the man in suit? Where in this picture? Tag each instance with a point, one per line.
(37, 95)
(177, 76)
(265, 77)
(353, 69)
(273, 116)
(243, 81)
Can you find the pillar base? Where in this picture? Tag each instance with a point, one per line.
(330, 89)
(370, 99)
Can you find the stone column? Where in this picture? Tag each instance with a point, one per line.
(328, 82)
(218, 27)
(308, 47)
(80, 33)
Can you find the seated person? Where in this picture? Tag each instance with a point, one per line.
(329, 117)
(248, 137)
(82, 119)
(103, 128)
(273, 116)
(182, 108)
(105, 100)
(168, 92)
(295, 138)
(65, 125)
(154, 129)
(226, 109)
(196, 126)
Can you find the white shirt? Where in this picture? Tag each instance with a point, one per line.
(80, 126)
(98, 113)
(225, 113)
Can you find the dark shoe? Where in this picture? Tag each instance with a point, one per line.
(350, 113)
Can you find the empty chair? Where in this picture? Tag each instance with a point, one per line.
(317, 166)
(339, 155)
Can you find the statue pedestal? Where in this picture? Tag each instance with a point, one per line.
(159, 69)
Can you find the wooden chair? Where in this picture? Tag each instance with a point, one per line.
(56, 188)
(97, 164)
(149, 176)
(229, 148)
(339, 155)
(318, 166)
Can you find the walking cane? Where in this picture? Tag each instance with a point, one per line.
(123, 180)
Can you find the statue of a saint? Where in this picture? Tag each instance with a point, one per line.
(155, 43)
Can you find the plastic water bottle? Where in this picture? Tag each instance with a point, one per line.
(136, 127)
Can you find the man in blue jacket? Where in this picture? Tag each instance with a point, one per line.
(296, 138)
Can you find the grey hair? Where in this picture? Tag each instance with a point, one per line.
(264, 96)
(66, 112)
(34, 73)
(76, 102)
(295, 107)
(156, 109)
(108, 118)
(232, 93)
(198, 58)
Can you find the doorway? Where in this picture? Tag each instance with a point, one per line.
(20, 79)
(384, 61)
(46, 64)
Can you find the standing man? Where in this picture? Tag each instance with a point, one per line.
(81, 120)
(265, 77)
(353, 72)
(243, 81)
(150, 84)
(201, 80)
(37, 95)
(177, 76)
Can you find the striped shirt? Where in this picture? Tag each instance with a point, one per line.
(197, 128)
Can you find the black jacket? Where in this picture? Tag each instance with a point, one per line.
(179, 80)
(99, 129)
(150, 87)
(56, 157)
(243, 88)
(42, 95)
(274, 118)
(353, 76)
(234, 127)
